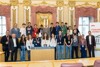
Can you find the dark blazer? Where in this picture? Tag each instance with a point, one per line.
(92, 40)
(11, 44)
(52, 30)
(3, 41)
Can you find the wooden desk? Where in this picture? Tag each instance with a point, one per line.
(1, 56)
(42, 53)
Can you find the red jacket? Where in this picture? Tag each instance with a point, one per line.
(35, 30)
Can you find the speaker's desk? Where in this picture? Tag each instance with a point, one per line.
(1, 56)
(42, 53)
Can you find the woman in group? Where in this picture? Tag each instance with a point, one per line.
(83, 47)
(23, 47)
(68, 44)
(45, 40)
(53, 42)
(29, 44)
(75, 44)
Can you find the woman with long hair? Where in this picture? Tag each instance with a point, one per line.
(45, 40)
(23, 47)
(29, 44)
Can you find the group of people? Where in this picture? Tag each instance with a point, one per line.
(65, 40)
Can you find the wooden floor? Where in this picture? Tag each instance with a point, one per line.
(53, 63)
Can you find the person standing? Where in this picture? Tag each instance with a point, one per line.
(35, 31)
(83, 47)
(52, 29)
(23, 48)
(45, 42)
(58, 28)
(64, 29)
(68, 43)
(40, 31)
(91, 44)
(29, 29)
(5, 42)
(13, 46)
(75, 44)
(23, 29)
(37, 41)
(29, 44)
(46, 29)
(60, 46)
(15, 30)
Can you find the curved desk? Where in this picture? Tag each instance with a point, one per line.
(42, 53)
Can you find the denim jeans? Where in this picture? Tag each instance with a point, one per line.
(68, 52)
(60, 52)
(23, 53)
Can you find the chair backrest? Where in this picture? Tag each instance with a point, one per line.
(97, 63)
(71, 65)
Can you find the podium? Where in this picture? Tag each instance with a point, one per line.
(42, 53)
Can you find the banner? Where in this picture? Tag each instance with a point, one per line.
(95, 30)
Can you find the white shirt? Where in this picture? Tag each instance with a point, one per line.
(90, 40)
(23, 31)
(14, 41)
(45, 43)
(29, 44)
(53, 42)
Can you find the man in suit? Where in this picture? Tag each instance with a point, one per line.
(91, 44)
(5, 41)
(13, 46)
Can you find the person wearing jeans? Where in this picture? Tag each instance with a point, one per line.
(29, 44)
(68, 43)
(60, 46)
(23, 48)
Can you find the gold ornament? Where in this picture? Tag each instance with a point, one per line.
(60, 3)
(27, 2)
(14, 2)
(98, 4)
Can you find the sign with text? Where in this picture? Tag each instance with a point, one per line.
(95, 30)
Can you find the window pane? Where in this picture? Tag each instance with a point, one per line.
(85, 20)
(4, 20)
(2, 25)
(80, 21)
(85, 30)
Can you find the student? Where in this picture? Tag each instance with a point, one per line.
(64, 29)
(37, 41)
(75, 45)
(23, 29)
(58, 28)
(53, 42)
(29, 29)
(29, 44)
(83, 47)
(60, 46)
(45, 40)
(68, 43)
(35, 31)
(23, 48)
(52, 29)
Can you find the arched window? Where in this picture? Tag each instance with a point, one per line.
(2, 25)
